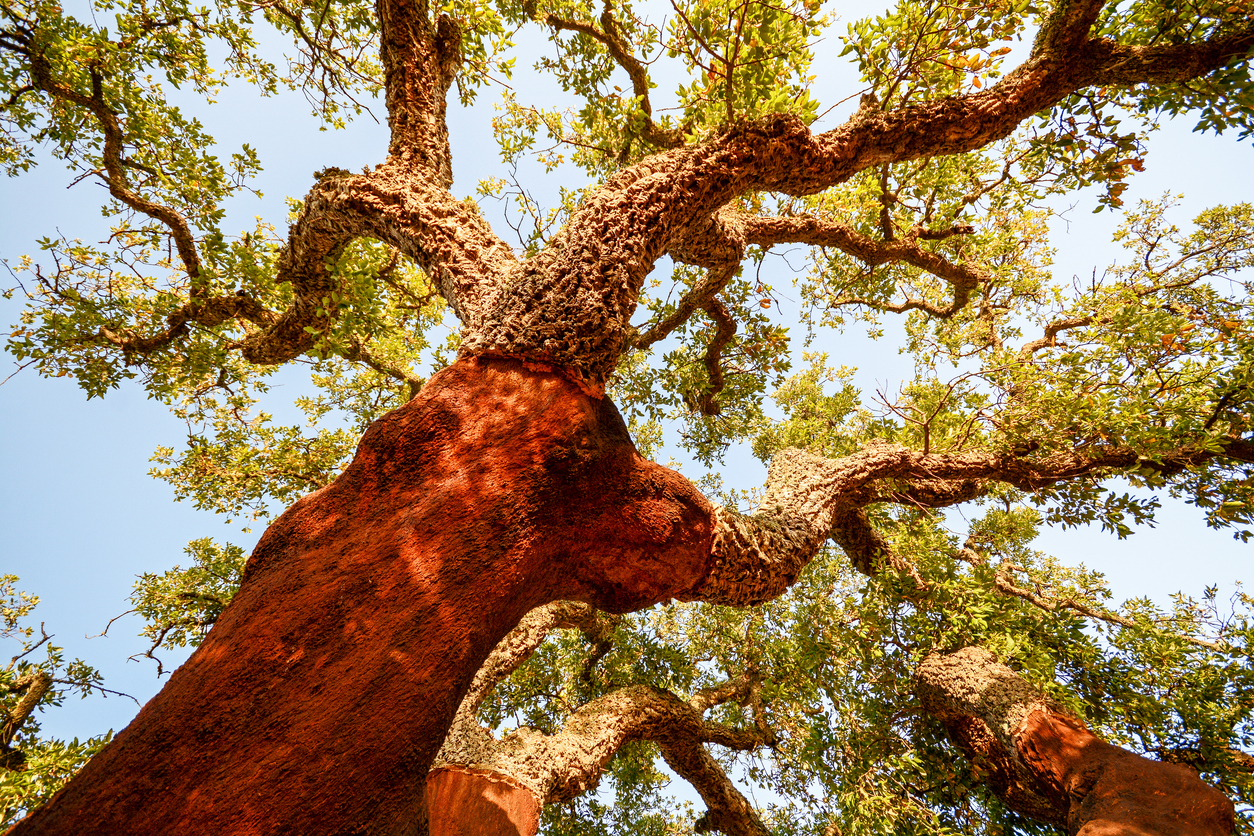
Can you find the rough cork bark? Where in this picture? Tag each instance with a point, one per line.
(1047, 765)
(561, 766)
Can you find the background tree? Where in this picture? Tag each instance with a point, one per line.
(38, 677)
(929, 202)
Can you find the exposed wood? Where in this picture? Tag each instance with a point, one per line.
(318, 700)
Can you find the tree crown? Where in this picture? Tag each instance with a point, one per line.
(693, 143)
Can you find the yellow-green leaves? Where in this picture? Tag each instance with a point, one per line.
(748, 58)
(33, 766)
(1222, 100)
(920, 51)
(180, 605)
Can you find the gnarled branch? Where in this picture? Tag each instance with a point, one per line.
(808, 498)
(594, 269)
(611, 38)
(827, 232)
(725, 328)
(561, 766)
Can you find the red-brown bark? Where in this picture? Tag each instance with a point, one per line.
(466, 802)
(1049, 766)
(317, 702)
(1108, 790)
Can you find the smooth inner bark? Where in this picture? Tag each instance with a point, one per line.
(318, 701)
(466, 802)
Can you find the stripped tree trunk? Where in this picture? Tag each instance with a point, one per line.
(500, 486)
(1047, 765)
(468, 802)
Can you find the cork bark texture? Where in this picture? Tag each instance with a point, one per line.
(319, 700)
(560, 766)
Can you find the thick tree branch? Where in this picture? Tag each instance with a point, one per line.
(566, 764)
(594, 269)
(866, 548)
(35, 686)
(1202, 757)
(561, 766)
(447, 238)
(420, 62)
(1067, 63)
(809, 498)
(755, 558)
(728, 811)
(1068, 26)
(1047, 765)
(935, 493)
(522, 641)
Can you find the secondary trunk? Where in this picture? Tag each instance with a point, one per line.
(1047, 765)
(319, 699)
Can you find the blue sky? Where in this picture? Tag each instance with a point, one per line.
(79, 517)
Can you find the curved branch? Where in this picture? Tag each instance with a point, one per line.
(114, 176)
(707, 401)
(808, 498)
(701, 295)
(205, 311)
(594, 269)
(1050, 337)
(867, 549)
(611, 38)
(446, 237)
(824, 232)
(728, 811)
(357, 352)
(1066, 62)
(513, 650)
(564, 765)
(559, 767)
(36, 685)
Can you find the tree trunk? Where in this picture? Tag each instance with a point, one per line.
(465, 802)
(319, 699)
(1047, 765)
